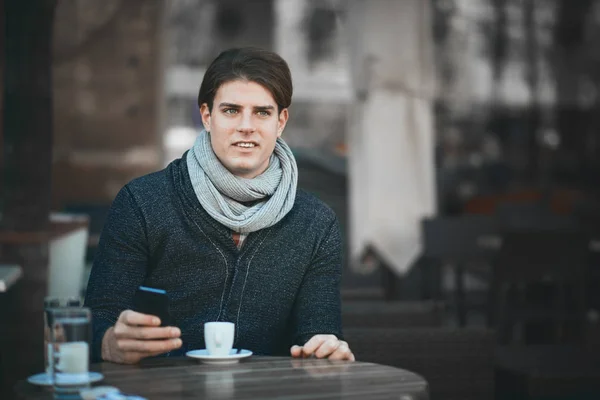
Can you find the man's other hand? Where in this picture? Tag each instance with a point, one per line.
(324, 346)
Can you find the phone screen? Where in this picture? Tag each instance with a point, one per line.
(153, 301)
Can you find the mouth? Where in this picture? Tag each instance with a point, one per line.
(246, 144)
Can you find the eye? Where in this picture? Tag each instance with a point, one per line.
(230, 111)
(264, 113)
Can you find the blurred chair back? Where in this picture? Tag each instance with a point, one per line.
(527, 217)
(397, 314)
(458, 364)
(97, 214)
(534, 256)
(460, 239)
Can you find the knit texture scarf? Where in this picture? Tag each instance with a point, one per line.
(243, 205)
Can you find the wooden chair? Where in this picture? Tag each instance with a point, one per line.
(547, 372)
(461, 242)
(458, 364)
(554, 258)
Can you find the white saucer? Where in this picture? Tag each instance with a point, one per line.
(44, 379)
(206, 358)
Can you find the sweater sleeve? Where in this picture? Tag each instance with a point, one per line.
(119, 267)
(317, 309)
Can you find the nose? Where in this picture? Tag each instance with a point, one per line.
(246, 124)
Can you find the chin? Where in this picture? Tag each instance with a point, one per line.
(244, 168)
(241, 169)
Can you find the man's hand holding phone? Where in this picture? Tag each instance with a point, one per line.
(136, 336)
(142, 333)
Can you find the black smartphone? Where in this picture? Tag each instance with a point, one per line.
(153, 301)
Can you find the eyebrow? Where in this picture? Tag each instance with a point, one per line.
(256, 108)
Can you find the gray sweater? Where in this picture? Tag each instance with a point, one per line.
(280, 288)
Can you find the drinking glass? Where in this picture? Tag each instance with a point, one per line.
(70, 339)
(49, 303)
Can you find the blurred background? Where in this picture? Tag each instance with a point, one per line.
(458, 142)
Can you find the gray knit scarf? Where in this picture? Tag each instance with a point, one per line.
(222, 194)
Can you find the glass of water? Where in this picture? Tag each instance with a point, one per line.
(70, 336)
(49, 303)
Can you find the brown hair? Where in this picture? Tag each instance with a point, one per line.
(251, 64)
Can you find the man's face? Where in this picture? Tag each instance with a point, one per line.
(244, 126)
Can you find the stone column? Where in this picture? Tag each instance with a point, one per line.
(27, 116)
(391, 138)
(26, 165)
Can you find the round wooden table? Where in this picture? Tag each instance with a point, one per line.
(254, 378)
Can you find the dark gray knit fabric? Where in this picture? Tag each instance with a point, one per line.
(280, 289)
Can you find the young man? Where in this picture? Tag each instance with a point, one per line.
(225, 232)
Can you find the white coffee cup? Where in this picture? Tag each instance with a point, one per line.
(74, 358)
(218, 337)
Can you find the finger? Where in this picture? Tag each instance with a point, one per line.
(148, 346)
(314, 343)
(328, 347)
(123, 331)
(130, 317)
(342, 353)
(296, 351)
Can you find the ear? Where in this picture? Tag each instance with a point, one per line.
(205, 114)
(283, 118)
